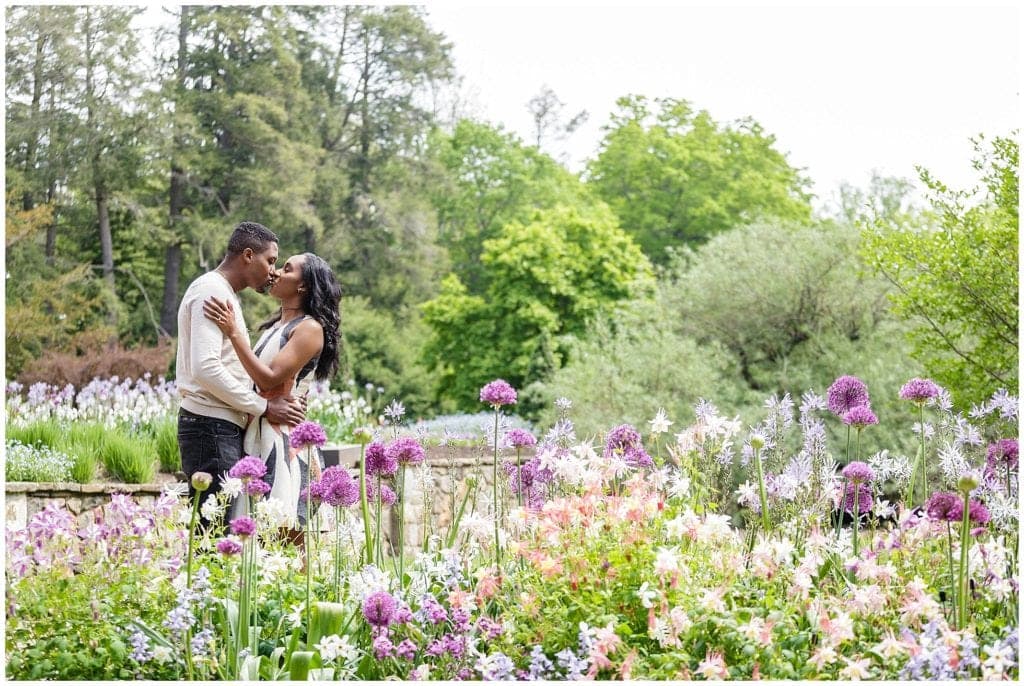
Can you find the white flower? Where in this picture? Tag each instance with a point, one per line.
(230, 486)
(747, 495)
(999, 658)
(646, 595)
(678, 484)
(334, 646)
(273, 513)
(667, 560)
(855, 670)
(295, 616)
(660, 423)
(161, 654)
(212, 509)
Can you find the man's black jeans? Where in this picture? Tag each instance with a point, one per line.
(207, 445)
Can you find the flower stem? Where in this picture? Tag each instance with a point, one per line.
(365, 506)
(965, 544)
(761, 488)
(188, 581)
(401, 526)
(952, 576)
(497, 540)
(924, 459)
(306, 546)
(856, 510)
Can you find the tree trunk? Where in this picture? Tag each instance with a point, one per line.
(172, 255)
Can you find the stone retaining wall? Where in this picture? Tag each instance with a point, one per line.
(450, 468)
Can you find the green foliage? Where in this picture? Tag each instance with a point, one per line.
(130, 459)
(492, 180)
(955, 278)
(675, 176)
(380, 353)
(43, 433)
(545, 279)
(165, 440)
(36, 463)
(84, 441)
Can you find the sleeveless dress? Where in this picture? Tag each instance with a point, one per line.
(287, 471)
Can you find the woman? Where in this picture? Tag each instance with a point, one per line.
(299, 343)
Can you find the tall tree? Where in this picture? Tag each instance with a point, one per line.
(955, 276)
(676, 177)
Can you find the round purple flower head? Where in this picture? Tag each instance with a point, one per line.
(249, 467)
(497, 393)
(624, 441)
(228, 547)
(338, 488)
(257, 487)
(860, 416)
(1003, 453)
(405, 451)
(378, 461)
(379, 608)
(919, 390)
(243, 526)
(846, 393)
(977, 512)
(944, 506)
(308, 433)
(863, 499)
(387, 495)
(859, 472)
(519, 438)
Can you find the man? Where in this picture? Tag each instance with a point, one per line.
(217, 396)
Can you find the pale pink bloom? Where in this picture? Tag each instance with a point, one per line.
(666, 561)
(890, 646)
(855, 670)
(757, 630)
(712, 599)
(488, 585)
(837, 629)
(802, 584)
(713, 667)
(822, 657)
(869, 599)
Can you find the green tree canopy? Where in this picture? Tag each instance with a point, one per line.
(545, 278)
(955, 277)
(674, 176)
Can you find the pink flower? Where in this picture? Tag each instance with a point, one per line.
(713, 666)
(306, 434)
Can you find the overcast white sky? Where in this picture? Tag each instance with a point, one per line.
(845, 90)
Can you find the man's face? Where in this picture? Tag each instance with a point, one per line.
(261, 268)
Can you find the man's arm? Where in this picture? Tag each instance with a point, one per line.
(208, 367)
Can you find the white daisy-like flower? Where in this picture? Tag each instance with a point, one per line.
(660, 423)
(646, 595)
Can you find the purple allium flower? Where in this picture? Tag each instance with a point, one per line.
(403, 615)
(624, 441)
(405, 451)
(249, 467)
(388, 497)
(314, 491)
(944, 506)
(257, 487)
(378, 461)
(519, 438)
(919, 390)
(243, 526)
(307, 433)
(338, 488)
(863, 496)
(406, 650)
(228, 547)
(383, 647)
(860, 416)
(846, 393)
(977, 512)
(1003, 453)
(497, 393)
(379, 608)
(858, 472)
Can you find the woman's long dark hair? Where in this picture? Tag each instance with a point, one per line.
(320, 301)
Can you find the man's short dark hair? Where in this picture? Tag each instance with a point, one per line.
(250, 235)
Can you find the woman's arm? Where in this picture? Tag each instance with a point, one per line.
(304, 344)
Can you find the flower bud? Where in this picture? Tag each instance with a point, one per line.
(201, 481)
(967, 483)
(362, 435)
(756, 441)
